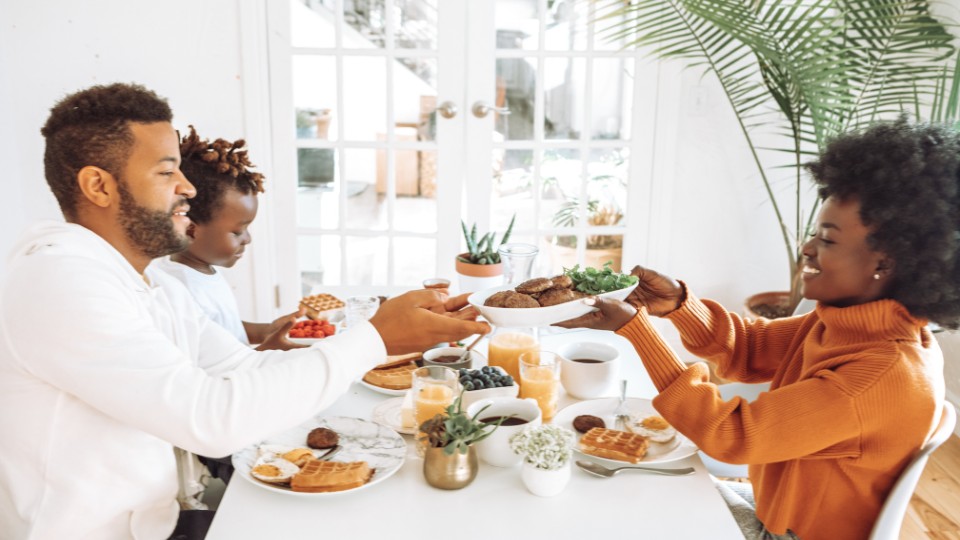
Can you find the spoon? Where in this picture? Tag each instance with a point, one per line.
(330, 453)
(466, 349)
(603, 472)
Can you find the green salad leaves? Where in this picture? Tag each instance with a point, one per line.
(593, 281)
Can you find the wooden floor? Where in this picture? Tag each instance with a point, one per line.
(935, 509)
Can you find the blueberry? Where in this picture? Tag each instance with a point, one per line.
(468, 386)
(507, 380)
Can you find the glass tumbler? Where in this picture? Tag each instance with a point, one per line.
(540, 380)
(507, 344)
(517, 262)
(434, 389)
(359, 309)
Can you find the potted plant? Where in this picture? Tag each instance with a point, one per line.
(450, 460)
(546, 450)
(479, 267)
(803, 72)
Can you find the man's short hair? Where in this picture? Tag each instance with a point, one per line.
(92, 127)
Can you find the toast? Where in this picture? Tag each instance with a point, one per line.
(396, 374)
(614, 444)
(324, 476)
(318, 305)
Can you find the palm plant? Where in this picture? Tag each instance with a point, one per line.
(803, 70)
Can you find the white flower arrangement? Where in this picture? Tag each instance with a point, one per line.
(545, 447)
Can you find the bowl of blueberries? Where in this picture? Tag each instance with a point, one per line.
(486, 382)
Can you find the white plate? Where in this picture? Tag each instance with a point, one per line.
(388, 414)
(362, 440)
(304, 340)
(542, 316)
(678, 448)
(382, 390)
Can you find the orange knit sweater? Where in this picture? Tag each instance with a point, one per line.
(854, 392)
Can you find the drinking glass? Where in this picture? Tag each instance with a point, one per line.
(436, 283)
(540, 380)
(434, 389)
(359, 309)
(507, 344)
(517, 262)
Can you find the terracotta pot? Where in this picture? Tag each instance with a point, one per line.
(453, 471)
(566, 257)
(774, 299)
(477, 277)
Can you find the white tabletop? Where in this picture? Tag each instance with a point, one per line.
(496, 504)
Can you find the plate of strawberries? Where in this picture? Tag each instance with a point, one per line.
(310, 331)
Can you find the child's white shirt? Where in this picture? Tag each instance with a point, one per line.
(211, 292)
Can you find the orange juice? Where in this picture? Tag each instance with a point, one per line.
(431, 400)
(505, 349)
(541, 383)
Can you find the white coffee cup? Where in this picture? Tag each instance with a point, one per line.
(495, 449)
(589, 370)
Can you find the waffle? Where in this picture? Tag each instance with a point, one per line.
(322, 476)
(320, 304)
(397, 374)
(613, 444)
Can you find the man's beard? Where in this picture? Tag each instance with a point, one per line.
(150, 231)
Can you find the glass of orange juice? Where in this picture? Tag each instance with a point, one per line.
(540, 380)
(434, 389)
(507, 344)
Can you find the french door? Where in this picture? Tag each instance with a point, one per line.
(392, 120)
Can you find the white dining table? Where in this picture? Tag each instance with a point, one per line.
(496, 504)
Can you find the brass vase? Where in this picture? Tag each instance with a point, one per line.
(453, 471)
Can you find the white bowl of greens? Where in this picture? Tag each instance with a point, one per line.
(603, 283)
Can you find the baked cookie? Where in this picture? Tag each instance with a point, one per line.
(562, 281)
(553, 297)
(534, 285)
(586, 422)
(321, 437)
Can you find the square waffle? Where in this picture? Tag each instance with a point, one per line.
(394, 375)
(318, 305)
(322, 476)
(614, 444)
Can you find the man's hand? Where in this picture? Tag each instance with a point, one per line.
(276, 334)
(417, 320)
(612, 315)
(659, 293)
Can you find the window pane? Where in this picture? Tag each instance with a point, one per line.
(312, 23)
(366, 260)
(417, 27)
(415, 96)
(567, 26)
(369, 20)
(563, 97)
(612, 98)
(516, 85)
(607, 27)
(416, 204)
(315, 96)
(318, 194)
(319, 262)
(561, 172)
(365, 105)
(517, 24)
(366, 204)
(607, 187)
(562, 252)
(513, 189)
(415, 260)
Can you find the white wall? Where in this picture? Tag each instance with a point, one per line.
(186, 51)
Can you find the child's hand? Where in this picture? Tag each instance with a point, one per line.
(276, 338)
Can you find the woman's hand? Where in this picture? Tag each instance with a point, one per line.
(417, 320)
(611, 315)
(660, 294)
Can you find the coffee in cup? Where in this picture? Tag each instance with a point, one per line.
(589, 369)
(519, 414)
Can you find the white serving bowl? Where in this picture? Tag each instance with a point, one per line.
(472, 396)
(542, 316)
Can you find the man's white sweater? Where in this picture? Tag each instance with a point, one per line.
(103, 371)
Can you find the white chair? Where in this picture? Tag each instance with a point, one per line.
(894, 508)
(728, 391)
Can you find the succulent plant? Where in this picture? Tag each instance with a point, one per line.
(483, 251)
(456, 431)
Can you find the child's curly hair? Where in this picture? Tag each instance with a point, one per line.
(92, 128)
(213, 168)
(905, 176)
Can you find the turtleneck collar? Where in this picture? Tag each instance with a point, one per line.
(880, 320)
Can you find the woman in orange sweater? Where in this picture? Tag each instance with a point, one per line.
(856, 385)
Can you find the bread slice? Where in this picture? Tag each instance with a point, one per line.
(614, 444)
(324, 476)
(318, 305)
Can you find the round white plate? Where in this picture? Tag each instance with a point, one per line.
(678, 448)
(382, 390)
(388, 414)
(542, 316)
(362, 440)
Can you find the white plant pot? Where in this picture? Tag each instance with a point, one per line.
(543, 483)
(473, 284)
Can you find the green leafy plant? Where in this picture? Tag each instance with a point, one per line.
(593, 281)
(457, 430)
(546, 447)
(801, 71)
(482, 251)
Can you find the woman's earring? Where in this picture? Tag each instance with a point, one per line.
(876, 276)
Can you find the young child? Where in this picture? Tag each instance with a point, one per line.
(221, 212)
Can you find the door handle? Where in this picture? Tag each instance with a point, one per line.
(448, 109)
(480, 109)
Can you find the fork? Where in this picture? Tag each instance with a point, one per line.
(621, 414)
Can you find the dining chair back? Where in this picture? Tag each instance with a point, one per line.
(894, 508)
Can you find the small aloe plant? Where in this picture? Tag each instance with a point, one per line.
(483, 251)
